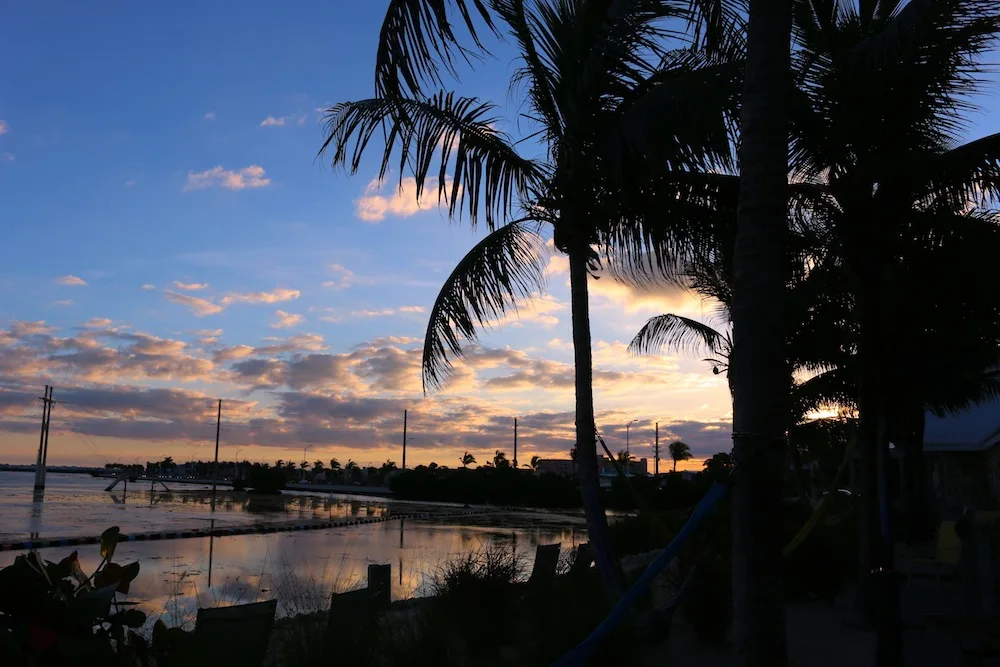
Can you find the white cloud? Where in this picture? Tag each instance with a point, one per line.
(63, 302)
(274, 296)
(4, 127)
(271, 121)
(286, 320)
(210, 115)
(381, 312)
(190, 287)
(343, 277)
(200, 307)
(247, 177)
(374, 207)
(413, 309)
(129, 183)
(72, 281)
(9, 157)
(540, 309)
(148, 287)
(97, 323)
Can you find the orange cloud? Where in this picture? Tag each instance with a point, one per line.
(72, 281)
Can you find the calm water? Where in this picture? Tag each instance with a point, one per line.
(299, 568)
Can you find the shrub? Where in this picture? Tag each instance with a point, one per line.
(54, 614)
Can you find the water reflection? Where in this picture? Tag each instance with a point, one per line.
(301, 569)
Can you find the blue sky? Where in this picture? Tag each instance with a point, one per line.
(171, 238)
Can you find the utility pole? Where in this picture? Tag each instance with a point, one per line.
(656, 452)
(404, 439)
(515, 443)
(43, 439)
(218, 429)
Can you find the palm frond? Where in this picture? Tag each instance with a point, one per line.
(678, 118)
(507, 265)
(922, 26)
(432, 137)
(963, 176)
(538, 73)
(417, 39)
(678, 334)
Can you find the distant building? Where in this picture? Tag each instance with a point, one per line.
(557, 466)
(963, 456)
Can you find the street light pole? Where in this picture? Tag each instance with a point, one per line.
(628, 453)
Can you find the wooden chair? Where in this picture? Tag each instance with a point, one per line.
(546, 562)
(236, 635)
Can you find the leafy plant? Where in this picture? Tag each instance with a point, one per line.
(53, 613)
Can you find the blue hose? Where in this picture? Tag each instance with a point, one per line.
(578, 655)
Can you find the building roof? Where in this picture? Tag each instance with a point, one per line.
(974, 430)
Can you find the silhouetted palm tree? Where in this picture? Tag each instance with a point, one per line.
(758, 374)
(882, 91)
(335, 465)
(500, 460)
(625, 126)
(535, 460)
(467, 460)
(679, 451)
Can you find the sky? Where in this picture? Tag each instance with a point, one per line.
(171, 239)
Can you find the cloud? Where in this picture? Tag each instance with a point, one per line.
(210, 115)
(4, 127)
(274, 296)
(129, 183)
(542, 309)
(285, 320)
(374, 207)
(381, 312)
(247, 177)
(271, 121)
(149, 287)
(190, 287)
(97, 323)
(72, 281)
(343, 277)
(63, 302)
(200, 307)
(9, 157)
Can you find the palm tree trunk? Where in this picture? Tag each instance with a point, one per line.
(760, 381)
(675, 465)
(586, 434)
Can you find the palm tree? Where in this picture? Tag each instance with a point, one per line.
(318, 466)
(500, 460)
(279, 463)
(352, 470)
(719, 463)
(679, 451)
(468, 459)
(335, 465)
(601, 93)
(882, 88)
(535, 460)
(757, 374)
